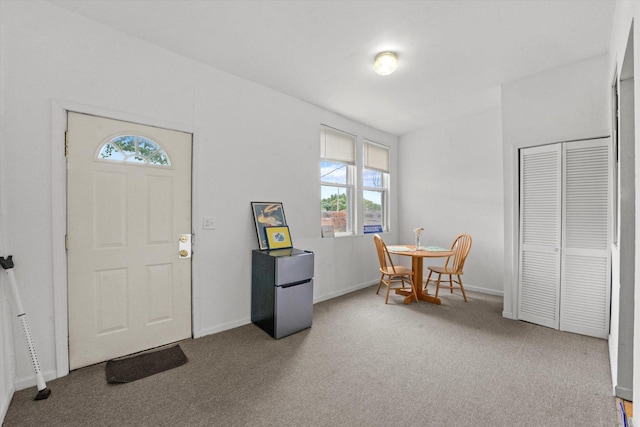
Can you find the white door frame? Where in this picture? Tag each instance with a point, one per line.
(59, 109)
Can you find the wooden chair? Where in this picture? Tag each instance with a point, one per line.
(392, 273)
(453, 266)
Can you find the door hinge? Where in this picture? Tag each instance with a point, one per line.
(66, 242)
(66, 144)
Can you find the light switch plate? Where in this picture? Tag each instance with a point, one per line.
(209, 223)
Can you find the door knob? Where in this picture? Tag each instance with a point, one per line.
(184, 245)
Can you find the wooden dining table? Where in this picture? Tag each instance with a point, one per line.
(417, 258)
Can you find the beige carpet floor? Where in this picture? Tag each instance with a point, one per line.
(362, 363)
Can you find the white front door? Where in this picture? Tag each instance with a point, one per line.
(128, 202)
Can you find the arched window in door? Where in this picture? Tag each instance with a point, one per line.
(134, 149)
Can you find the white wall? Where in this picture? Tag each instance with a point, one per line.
(451, 183)
(568, 103)
(52, 59)
(564, 104)
(7, 371)
(6, 348)
(628, 12)
(47, 53)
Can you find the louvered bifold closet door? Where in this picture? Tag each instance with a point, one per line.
(540, 233)
(585, 277)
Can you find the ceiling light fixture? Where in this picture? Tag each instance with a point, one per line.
(385, 63)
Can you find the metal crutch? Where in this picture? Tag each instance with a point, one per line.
(43, 391)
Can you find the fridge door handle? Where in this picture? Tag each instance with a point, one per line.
(288, 285)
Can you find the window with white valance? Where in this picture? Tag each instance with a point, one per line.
(337, 163)
(376, 156)
(375, 187)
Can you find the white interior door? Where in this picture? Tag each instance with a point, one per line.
(128, 202)
(565, 235)
(540, 234)
(586, 258)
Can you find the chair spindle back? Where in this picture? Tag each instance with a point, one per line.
(461, 245)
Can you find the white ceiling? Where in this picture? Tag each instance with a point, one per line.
(453, 54)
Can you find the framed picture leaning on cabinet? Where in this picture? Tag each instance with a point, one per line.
(267, 214)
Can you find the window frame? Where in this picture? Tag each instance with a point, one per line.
(384, 199)
(384, 190)
(135, 157)
(360, 156)
(349, 190)
(350, 168)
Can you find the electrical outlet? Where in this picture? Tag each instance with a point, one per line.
(209, 223)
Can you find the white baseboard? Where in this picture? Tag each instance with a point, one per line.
(223, 327)
(30, 381)
(230, 325)
(5, 402)
(341, 292)
(241, 322)
(482, 290)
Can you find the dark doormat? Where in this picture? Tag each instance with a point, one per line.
(134, 368)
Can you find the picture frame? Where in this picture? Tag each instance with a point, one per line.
(267, 214)
(278, 237)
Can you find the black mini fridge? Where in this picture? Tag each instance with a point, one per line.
(282, 290)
